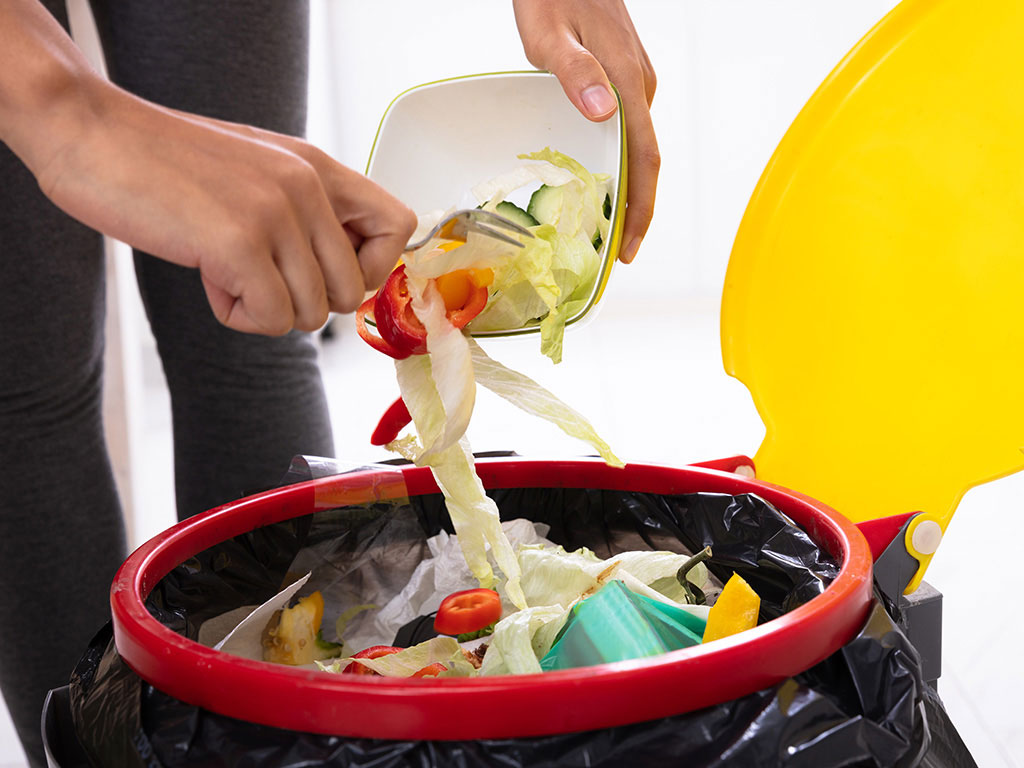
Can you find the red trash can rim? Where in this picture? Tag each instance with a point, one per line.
(486, 707)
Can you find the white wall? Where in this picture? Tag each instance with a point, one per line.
(732, 74)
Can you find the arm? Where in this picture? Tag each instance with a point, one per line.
(279, 231)
(586, 44)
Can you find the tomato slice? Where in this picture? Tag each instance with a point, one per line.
(467, 611)
(376, 651)
(391, 423)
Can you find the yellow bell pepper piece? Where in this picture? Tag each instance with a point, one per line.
(294, 639)
(735, 610)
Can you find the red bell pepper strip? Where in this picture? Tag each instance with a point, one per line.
(401, 333)
(375, 341)
(467, 611)
(431, 670)
(376, 651)
(394, 420)
(396, 322)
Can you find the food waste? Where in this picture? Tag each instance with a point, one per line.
(547, 603)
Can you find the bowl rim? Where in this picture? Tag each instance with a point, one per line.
(579, 699)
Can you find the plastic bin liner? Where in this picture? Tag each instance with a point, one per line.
(864, 706)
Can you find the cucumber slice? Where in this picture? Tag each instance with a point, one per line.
(547, 201)
(545, 204)
(513, 212)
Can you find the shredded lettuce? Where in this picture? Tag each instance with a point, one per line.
(555, 580)
(523, 392)
(551, 575)
(479, 251)
(520, 640)
(499, 188)
(474, 514)
(450, 368)
(408, 661)
(546, 280)
(549, 280)
(581, 217)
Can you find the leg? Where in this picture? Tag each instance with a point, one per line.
(61, 532)
(242, 405)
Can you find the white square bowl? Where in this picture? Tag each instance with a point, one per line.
(438, 140)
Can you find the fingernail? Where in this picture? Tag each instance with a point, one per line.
(598, 100)
(629, 254)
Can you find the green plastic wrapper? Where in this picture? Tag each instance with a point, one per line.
(615, 624)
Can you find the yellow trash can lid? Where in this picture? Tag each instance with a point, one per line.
(874, 299)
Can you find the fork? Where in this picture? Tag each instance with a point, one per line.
(458, 224)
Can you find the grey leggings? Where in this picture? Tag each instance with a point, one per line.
(242, 405)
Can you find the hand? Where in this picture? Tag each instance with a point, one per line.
(586, 44)
(280, 233)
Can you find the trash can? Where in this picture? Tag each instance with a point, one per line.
(826, 667)
(857, 290)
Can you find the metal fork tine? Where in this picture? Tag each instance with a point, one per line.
(499, 221)
(470, 219)
(484, 229)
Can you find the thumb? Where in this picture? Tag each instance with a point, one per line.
(584, 81)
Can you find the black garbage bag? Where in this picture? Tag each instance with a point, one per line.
(864, 706)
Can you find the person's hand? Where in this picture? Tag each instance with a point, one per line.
(586, 44)
(280, 232)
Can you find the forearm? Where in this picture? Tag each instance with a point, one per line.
(46, 84)
(279, 231)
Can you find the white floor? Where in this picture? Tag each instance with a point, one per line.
(654, 386)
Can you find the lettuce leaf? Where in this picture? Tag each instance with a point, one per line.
(520, 640)
(495, 190)
(472, 511)
(551, 575)
(554, 580)
(479, 251)
(545, 280)
(582, 217)
(406, 662)
(450, 368)
(560, 263)
(474, 514)
(526, 394)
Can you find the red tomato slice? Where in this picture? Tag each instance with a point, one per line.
(376, 651)
(467, 611)
(391, 423)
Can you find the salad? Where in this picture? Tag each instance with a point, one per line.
(488, 285)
